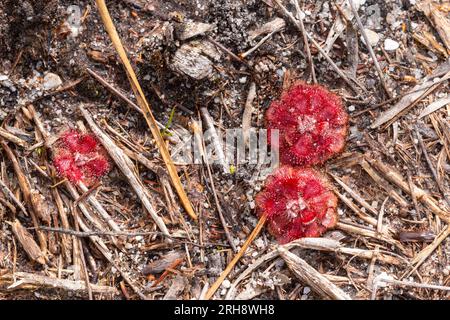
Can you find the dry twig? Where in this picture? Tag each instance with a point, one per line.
(142, 102)
(312, 277)
(125, 165)
(25, 280)
(236, 258)
(369, 47)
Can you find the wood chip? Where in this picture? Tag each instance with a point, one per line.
(176, 288)
(272, 26)
(11, 137)
(189, 60)
(192, 29)
(26, 240)
(321, 285)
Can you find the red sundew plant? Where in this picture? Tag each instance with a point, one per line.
(312, 122)
(79, 158)
(297, 203)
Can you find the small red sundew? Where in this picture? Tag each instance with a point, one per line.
(65, 164)
(97, 167)
(79, 158)
(298, 203)
(78, 142)
(312, 122)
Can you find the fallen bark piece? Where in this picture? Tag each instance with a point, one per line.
(216, 141)
(41, 204)
(177, 287)
(324, 244)
(8, 193)
(191, 61)
(320, 244)
(312, 277)
(192, 29)
(26, 240)
(272, 26)
(26, 188)
(248, 110)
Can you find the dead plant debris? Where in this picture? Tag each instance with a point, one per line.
(212, 66)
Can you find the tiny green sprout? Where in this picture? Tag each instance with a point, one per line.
(165, 132)
(39, 151)
(232, 169)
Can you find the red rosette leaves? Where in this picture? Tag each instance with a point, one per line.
(312, 122)
(79, 158)
(298, 203)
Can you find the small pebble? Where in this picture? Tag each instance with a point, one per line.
(259, 243)
(446, 271)
(51, 81)
(243, 80)
(391, 18)
(306, 290)
(372, 36)
(8, 84)
(351, 108)
(226, 284)
(370, 83)
(391, 45)
(280, 72)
